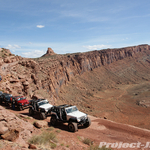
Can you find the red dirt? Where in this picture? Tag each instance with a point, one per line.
(101, 130)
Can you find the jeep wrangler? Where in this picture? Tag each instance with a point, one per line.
(6, 98)
(40, 106)
(71, 115)
(21, 102)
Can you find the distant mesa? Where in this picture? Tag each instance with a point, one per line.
(49, 52)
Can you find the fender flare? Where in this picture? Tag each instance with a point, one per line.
(42, 110)
(73, 120)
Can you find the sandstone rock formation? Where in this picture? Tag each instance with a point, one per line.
(11, 135)
(66, 67)
(40, 124)
(49, 52)
(46, 76)
(14, 129)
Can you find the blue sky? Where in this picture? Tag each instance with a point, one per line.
(29, 27)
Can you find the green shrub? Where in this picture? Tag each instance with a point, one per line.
(87, 141)
(89, 94)
(67, 146)
(43, 138)
(58, 131)
(53, 145)
(79, 138)
(92, 147)
(50, 129)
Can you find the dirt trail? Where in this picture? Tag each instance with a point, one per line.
(102, 130)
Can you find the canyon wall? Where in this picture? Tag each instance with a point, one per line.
(43, 77)
(66, 67)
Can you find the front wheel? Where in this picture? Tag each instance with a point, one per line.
(31, 112)
(20, 108)
(88, 123)
(53, 120)
(73, 127)
(6, 103)
(42, 115)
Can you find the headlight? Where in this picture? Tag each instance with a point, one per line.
(78, 119)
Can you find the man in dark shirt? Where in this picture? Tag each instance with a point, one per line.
(13, 103)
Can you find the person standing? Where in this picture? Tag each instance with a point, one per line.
(13, 103)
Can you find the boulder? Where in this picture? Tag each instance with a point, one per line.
(3, 129)
(25, 83)
(7, 60)
(15, 125)
(32, 146)
(1, 61)
(13, 80)
(144, 103)
(40, 124)
(11, 135)
(34, 78)
(21, 76)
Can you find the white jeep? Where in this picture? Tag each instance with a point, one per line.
(70, 114)
(41, 106)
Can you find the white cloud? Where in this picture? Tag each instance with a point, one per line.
(34, 54)
(96, 47)
(40, 26)
(13, 46)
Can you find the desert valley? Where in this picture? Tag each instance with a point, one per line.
(112, 86)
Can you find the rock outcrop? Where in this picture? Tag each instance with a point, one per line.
(14, 129)
(62, 70)
(49, 52)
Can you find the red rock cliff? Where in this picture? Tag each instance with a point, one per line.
(66, 67)
(33, 77)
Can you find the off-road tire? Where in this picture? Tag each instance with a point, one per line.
(6, 103)
(20, 108)
(72, 126)
(53, 120)
(31, 111)
(88, 123)
(42, 115)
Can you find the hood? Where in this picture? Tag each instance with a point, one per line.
(46, 106)
(77, 114)
(23, 101)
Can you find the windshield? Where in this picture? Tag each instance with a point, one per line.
(71, 109)
(42, 103)
(21, 98)
(8, 96)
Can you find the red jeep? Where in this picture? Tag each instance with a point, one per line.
(21, 102)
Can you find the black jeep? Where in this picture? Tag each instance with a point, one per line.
(70, 114)
(40, 106)
(6, 98)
